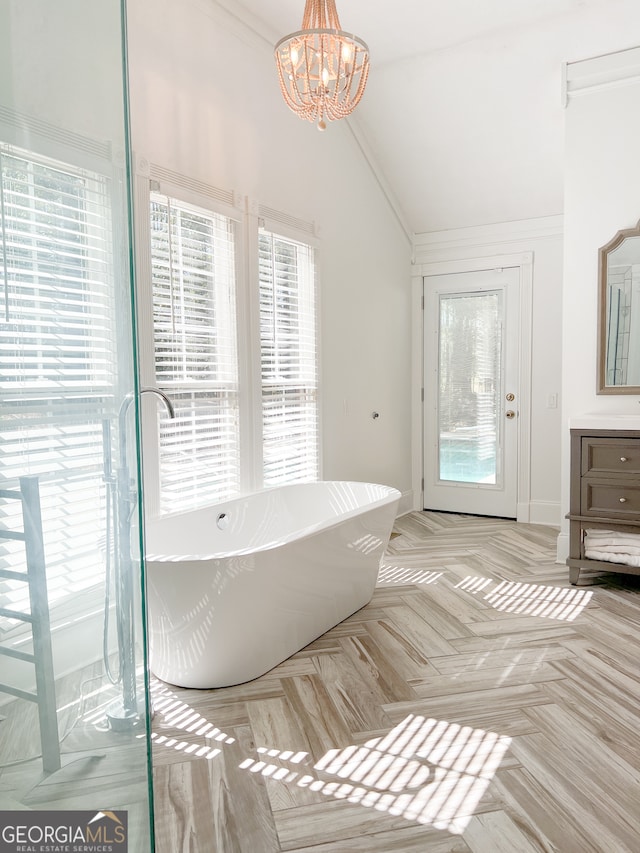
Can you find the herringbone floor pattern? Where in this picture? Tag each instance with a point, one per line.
(478, 703)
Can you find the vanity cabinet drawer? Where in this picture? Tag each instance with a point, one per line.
(610, 498)
(610, 456)
(605, 495)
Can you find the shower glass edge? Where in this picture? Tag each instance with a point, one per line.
(75, 736)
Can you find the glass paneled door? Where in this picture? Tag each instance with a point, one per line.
(471, 392)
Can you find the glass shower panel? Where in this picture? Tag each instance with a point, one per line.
(469, 384)
(74, 721)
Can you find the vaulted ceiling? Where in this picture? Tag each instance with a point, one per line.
(462, 117)
(405, 28)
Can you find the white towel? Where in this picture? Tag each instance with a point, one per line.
(608, 556)
(618, 547)
(612, 546)
(617, 535)
(615, 540)
(612, 540)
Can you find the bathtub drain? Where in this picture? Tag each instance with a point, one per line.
(223, 521)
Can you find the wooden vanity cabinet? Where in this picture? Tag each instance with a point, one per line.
(605, 492)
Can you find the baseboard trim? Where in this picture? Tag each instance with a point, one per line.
(534, 512)
(545, 512)
(562, 548)
(407, 503)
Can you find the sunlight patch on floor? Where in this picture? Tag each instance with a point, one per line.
(400, 575)
(536, 600)
(530, 599)
(425, 770)
(473, 584)
(180, 715)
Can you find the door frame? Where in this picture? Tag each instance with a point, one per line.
(524, 262)
(499, 497)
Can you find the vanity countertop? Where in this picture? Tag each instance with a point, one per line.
(605, 420)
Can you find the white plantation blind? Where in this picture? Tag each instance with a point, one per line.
(288, 346)
(196, 362)
(57, 362)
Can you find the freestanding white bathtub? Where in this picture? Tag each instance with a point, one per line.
(235, 589)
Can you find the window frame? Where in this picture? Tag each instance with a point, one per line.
(100, 164)
(196, 283)
(281, 232)
(198, 195)
(251, 218)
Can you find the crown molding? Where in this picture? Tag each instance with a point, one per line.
(607, 71)
(479, 236)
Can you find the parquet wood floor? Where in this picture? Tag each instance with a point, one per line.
(478, 703)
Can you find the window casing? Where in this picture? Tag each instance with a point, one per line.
(195, 352)
(288, 360)
(234, 308)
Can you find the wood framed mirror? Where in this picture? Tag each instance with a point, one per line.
(619, 314)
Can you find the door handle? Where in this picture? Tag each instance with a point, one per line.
(510, 414)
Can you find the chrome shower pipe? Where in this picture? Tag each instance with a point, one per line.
(123, 714)
(122, 416)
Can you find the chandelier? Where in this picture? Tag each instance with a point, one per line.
(322, 70)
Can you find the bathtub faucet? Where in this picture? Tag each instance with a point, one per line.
(129, 398)
(122, 417)
(163, 396)
(124, 713)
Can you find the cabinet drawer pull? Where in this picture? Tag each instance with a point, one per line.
(623, 459)
(623, 500)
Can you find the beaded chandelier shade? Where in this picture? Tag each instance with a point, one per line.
(322, 71)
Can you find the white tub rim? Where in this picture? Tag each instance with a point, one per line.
(297, 534)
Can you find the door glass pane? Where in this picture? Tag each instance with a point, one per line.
(469, 387)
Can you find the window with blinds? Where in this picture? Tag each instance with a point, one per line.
(57, 362)
(194, 319)
(288, 355)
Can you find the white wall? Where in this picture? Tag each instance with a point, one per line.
(63, 72)
(205, 102)
(474, 147)
(473, 134)
(602, 196)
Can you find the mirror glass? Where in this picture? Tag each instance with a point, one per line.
(619, 314)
